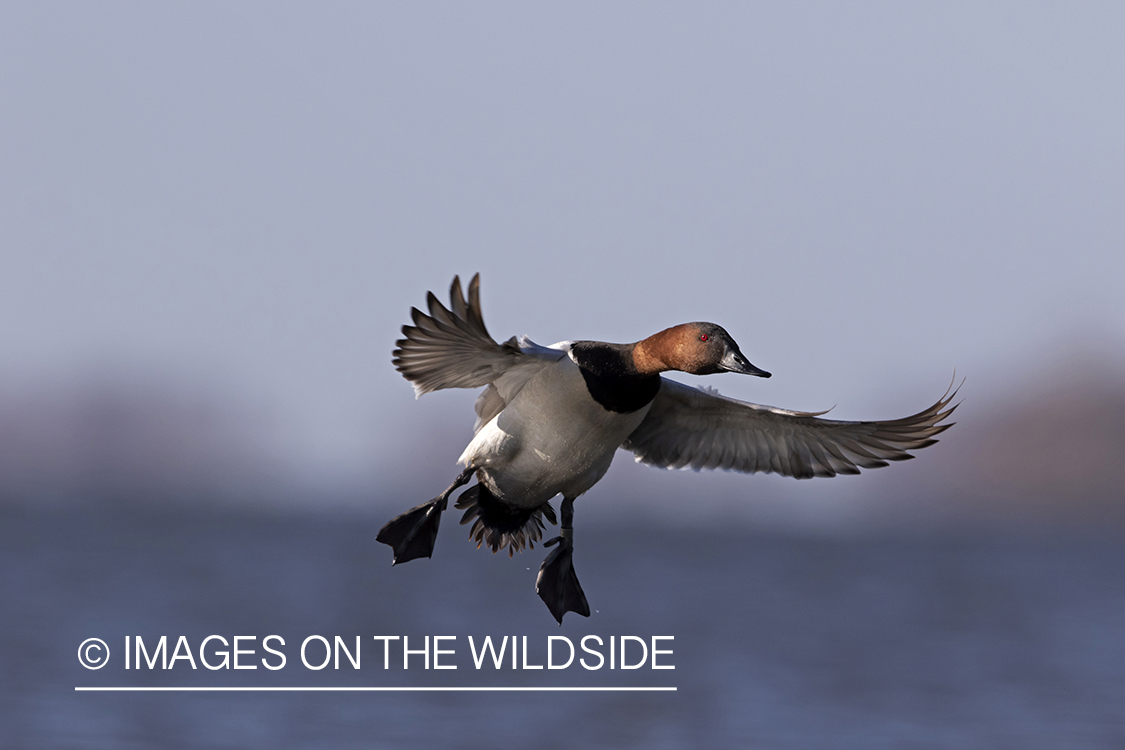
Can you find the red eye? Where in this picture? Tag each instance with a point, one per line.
(704, 337)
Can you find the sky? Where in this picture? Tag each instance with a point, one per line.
(245, 199)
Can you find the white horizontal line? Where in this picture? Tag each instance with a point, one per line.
(373, 689)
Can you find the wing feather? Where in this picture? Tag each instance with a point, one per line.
(451, 348)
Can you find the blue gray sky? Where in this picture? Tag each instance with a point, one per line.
(248, 197)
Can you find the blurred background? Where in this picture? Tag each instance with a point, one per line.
(214, 219)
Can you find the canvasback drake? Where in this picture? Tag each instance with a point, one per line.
(551, 418)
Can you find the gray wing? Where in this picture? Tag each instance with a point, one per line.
(496, 396)
(692, 427)
(452, 349)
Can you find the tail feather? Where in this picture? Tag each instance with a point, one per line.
(497, 524)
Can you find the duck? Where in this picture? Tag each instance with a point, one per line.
(550, 420)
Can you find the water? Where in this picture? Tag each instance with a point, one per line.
(780, 641)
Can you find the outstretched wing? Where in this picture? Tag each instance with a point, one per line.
(692, 427)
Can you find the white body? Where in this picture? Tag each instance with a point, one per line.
(551, 438)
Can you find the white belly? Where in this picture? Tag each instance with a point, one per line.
(552, 437)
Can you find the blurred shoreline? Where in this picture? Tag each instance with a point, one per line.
(1042, 456)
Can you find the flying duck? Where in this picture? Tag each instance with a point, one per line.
(550, 420)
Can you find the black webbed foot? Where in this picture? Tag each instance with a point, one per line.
(413, 533)
(557, 584)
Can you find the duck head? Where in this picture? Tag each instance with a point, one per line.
(696, 348)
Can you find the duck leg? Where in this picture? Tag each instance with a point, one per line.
(413, 533)
(557, 584)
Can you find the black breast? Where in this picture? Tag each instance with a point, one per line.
(611, 378)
